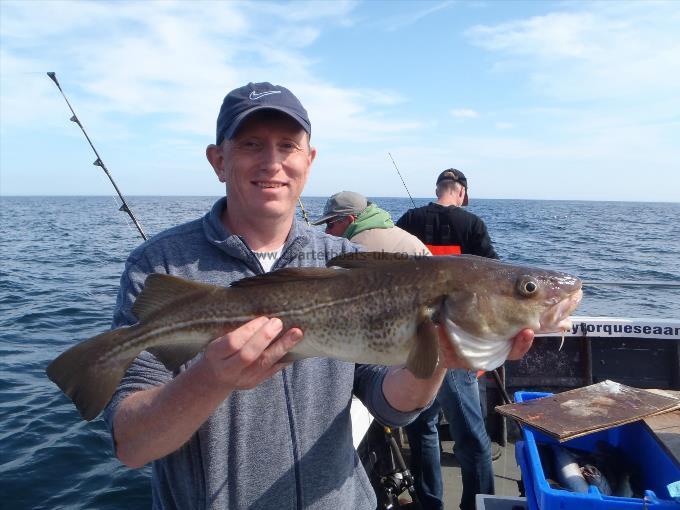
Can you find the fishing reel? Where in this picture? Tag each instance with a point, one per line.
(389, 476)
(393, 485)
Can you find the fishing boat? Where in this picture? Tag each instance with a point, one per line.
(642, 353)
(636, 352)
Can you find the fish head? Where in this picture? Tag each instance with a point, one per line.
(490, 302)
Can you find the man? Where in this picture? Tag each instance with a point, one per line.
(448, 229)
(350, 215)
(235, 427)
(444, 226)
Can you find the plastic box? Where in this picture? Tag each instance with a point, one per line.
(634, 439)
(489, 502)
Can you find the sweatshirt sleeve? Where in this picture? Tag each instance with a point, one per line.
(481, 242)
(368, 383)
(146, 371)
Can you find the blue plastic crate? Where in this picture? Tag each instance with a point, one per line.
(527, 475)
(634, 439)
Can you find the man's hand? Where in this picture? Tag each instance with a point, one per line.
(245, 357)
(521, 344)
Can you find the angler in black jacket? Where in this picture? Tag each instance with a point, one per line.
(444, 226)
(448, 229)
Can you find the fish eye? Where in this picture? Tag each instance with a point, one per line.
(527, 286)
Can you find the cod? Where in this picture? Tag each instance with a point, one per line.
(375, 308)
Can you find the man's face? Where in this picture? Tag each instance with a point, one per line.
(266, 165)
(337, 226)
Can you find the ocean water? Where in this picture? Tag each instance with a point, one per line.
(61, 258)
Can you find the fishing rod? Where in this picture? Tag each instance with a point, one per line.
(304, 213)
(98, 162)
(402, 179)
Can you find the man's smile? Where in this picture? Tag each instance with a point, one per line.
(268, 184)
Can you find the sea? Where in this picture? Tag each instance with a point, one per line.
(61, 260)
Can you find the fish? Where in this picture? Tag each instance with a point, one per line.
(373, 308)
(624, 488)
(595, 477)
(568, 471)
(621, 471)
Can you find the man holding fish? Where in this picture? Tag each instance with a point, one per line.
(197, 378)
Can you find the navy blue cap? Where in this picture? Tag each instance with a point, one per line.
(241, 102)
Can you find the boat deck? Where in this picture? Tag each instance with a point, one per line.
(506, 474)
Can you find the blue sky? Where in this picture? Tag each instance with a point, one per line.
(541, 100)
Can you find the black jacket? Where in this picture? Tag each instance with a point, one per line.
(437, 225)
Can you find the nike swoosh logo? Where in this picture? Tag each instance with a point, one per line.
(257, 95)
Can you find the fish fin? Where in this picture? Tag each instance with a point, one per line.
(162, 289)
(174, 356)
(361, 259)
(85, 378)
(288, 275)
(424, 355)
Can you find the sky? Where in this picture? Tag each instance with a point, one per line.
(536, 100)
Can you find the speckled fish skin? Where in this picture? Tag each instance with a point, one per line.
(479, 295)
(382, 311)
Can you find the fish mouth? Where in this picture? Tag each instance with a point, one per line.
(556, 318)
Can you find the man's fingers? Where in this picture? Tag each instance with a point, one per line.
(448, 355)
(269, 361)
(259, 341)
(225, 346)
(521, 344)
(278, 349)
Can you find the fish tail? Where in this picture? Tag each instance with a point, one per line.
(80, 373)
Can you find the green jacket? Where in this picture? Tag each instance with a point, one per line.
(371, 217)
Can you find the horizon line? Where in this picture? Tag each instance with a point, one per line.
(368, 196)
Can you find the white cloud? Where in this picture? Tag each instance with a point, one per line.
(602, 102)
(464, 113)
(558, 35)
(340, 11)
(170, 63)
(404, 20)
(601, 78)
(599, 51)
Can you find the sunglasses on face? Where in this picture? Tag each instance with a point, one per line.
(332, 222)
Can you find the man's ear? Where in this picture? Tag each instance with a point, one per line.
(215, 155)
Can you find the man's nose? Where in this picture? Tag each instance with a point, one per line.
(272, 158)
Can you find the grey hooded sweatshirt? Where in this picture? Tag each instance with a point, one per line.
(285, 444)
